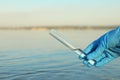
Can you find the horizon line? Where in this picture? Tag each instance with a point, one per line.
(56, 27)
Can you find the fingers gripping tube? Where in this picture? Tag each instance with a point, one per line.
(82, 55)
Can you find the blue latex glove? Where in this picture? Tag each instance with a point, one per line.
(104, 49)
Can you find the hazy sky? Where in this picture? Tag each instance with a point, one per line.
(59, 12)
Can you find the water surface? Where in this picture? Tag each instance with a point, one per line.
(34, 55)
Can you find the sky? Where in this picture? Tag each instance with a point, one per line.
(59, 12)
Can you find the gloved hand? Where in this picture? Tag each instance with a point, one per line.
(104, 49)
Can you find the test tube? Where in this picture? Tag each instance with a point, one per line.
(79, 51)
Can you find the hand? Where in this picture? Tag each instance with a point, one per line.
(104, 49)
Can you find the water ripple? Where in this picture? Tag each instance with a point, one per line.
(36, 65)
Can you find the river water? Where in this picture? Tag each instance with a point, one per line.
(35, 55)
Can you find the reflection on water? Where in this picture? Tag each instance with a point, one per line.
(34, 55)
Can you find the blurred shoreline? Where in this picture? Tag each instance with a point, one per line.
(58, 27)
